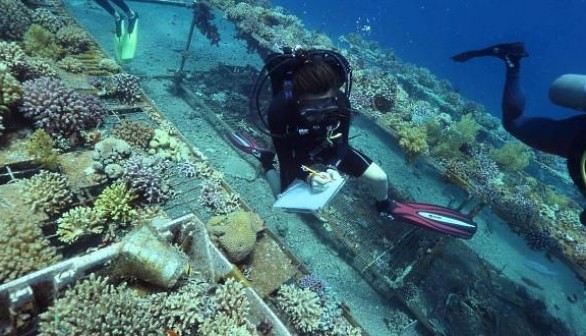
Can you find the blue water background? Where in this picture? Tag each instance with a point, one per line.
(426, 33)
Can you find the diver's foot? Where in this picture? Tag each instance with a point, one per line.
(119, 23)
(385, 209)
(247, 144)
(132, 19)
(511, 53)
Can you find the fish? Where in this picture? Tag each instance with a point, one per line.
(531, 283)
(171, 332)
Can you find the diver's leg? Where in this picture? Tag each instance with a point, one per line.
(107, 6)
(117, 17)
(122, 5)
(359, 165)
(274, 179)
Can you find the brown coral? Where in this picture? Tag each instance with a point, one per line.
(24, 248)
(136, 133)
(235, 233)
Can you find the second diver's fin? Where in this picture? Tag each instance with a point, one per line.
(436, 218)
(119, 36)
(130, 40)
(514, 50)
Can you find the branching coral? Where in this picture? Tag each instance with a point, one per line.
(235, 233)
(39, 67)
(136, 133)
(48, 192)
(46, 19)
(12, 55)
(78, 222)
(110, 154)
(70, 64)
(96, 307)
(10, 92)
(115, 203)
(24, 248)
(188, 307)
(216, 198)
(15, 18)
(73, 39)
(124, 87)
(109, 65)
(40, 147)
(60, 111)
(148, 177)
(302, 306)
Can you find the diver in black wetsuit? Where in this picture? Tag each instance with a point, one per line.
(309, 121)
(565, 137)
(314, 129)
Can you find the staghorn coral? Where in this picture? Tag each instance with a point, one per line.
(48, 192)
(78, 222)
(62, 112)
(46, 19)
(95, 307)
(70, 64)
(235, 233)
(148, 177)
(115, 203)
(302, 307)
(221, 324)
(136, 133)
(24, 248)
(40, 147)
(231, 300)
(39, 41)
(74, 39)
(15, 18)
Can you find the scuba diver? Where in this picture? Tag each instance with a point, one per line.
(309, 122)
(565, 137)
(125, 38)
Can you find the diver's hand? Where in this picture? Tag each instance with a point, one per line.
(333, 174)
(318, 182)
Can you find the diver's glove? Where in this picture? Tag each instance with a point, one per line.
(318, 182)
(333, 174)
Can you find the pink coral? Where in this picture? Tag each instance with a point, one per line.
(62, 112)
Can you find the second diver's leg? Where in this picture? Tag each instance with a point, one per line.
(107, 6)
(544, 134)
(122, 4)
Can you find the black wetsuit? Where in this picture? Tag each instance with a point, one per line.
(108, 7)
(298, 142)
(557, 137)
